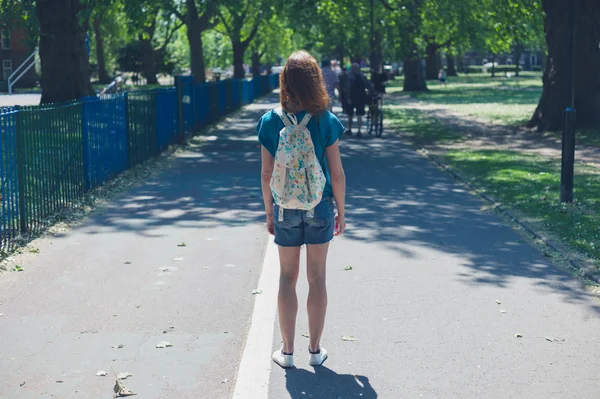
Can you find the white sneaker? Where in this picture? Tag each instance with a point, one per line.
(317, 359)
(284, 360)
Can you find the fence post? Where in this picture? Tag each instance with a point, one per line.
(21, 170)
(128, 131)
(85, 143)
(180, 127)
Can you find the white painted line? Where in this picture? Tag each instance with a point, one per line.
(255, 368)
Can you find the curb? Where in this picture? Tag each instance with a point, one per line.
(575, 265)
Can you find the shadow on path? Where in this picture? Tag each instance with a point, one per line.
(325, 383)
(395, 199)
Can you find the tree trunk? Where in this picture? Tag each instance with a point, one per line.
(431, 67)
(238, 60)
(377, 52)
(556, 95)
(255, 63)
(102, 74)
(518, 53)
(451, 66)
(194, 33)
(148, 60)
(414, 79)
(63, 55)
(494, 66)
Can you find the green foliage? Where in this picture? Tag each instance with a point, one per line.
(217, 50)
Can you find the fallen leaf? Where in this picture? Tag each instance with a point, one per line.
(502, 311)
(225, 381)
(256, 292)
(21, 384)
(348, 268)
(18, 268)
(59, 382)
(518, 335)
(34, 250)
(182, 244)
(349, 338)
(305, 335)
(101, 373)
(550, 339)
(128, 263)
(117, 346)
(498, 301)
(121, 390)
(124, 376)
(164, 344)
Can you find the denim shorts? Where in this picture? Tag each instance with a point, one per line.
(299, 228)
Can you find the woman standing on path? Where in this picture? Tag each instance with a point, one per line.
(303, 98)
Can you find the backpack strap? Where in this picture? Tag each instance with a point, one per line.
(284, 117)
(305, 120)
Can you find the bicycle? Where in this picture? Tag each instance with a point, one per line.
(375, 116)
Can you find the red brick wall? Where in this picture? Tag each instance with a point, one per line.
(18, 53)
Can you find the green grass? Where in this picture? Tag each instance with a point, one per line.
(493, 100)
(502, 101)
(525, 182)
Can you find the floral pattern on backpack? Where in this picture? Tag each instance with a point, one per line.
(298, 180)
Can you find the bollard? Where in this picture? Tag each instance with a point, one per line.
(568, 156)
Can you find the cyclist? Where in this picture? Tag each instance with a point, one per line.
(379, 79)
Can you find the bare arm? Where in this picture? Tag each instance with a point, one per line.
(338, 184)
(268, 163)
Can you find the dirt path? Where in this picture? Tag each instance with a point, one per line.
(479, 134)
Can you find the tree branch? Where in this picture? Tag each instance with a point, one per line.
(209, 12)
(169, 37)
(227, 28)
(253, 32)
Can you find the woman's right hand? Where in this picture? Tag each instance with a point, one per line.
(340, 225)
(270, 224)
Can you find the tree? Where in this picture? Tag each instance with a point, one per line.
(241, 20)
(197, 16)
(151, 21)
(97, 19)
(556, 95)
(63, 55)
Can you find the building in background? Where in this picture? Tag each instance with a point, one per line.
(13, 52)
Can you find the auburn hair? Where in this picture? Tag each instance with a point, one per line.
(301, 84)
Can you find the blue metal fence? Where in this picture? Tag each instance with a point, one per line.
(52, 155)
(9, 190)
(105, 147)
(166, 117)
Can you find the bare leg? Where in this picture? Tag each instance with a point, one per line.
(317, 293)
(359, 121)
(287, 301)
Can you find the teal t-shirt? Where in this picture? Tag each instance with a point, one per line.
(325, 129)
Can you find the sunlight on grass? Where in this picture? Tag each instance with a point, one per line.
(531, 184)
(525, 182)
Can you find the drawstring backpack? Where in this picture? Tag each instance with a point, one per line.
(298, 180)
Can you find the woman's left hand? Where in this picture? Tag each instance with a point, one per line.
(270, 225)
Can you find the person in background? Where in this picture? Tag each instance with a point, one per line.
(343, 78)
(114, 87)
(442, 76)
(331, 81)
(358, 85)
(379, 79)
